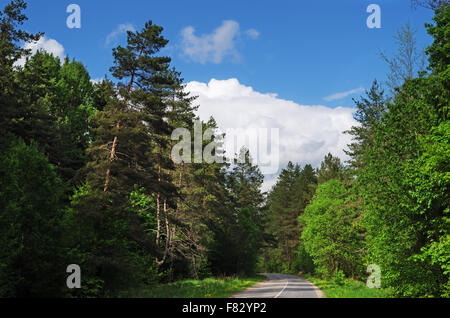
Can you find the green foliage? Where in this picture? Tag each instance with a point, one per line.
(347, 288)
(304, 262)
(207, 288)
(339, 277)
(236, 250)
(286, 202)
(439, 56)
(405, 200)
(401, 163)
(248, 241)
(369, 111)
(144, 206)
(54, 106)
(123, 211)
(429, 179)
(245, 182)
(330, 168)
(439, 51)
(30, 219)
(12, 36)
(236, 230)
(108, 243)
(330, 233)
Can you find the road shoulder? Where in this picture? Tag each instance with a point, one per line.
(319, 292)
(260, 284)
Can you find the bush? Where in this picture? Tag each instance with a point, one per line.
(339, 277)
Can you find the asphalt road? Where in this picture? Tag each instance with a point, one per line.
(282, 286)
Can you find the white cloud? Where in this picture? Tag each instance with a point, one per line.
(307, 133)
(253, 33)
(342, 95)
(213, 47)
(49, 45)
(120, 30)
(97, 80)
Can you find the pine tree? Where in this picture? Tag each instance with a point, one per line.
(125, 161)
(370, 110)
(281, 216)
(11, 39)
(330, 168)
(245, 182)
(137, 111)
(206, 210)
(179, 113)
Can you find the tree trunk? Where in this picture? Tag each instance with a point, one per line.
(158, 221)
(111, 159)
(168, 237)
(116, 138)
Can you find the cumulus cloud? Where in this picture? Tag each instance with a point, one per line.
(49, 45)
(306, 133)
(120, 30)
(342, 95)
(213, 47)
(97, 80)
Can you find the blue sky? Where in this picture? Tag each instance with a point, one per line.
(305, 51)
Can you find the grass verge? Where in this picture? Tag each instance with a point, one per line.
(207, 288)
(349, 288)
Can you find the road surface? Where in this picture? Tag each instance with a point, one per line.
(282, 286)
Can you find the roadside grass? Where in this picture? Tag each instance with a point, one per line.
(349, 288)
(222, 287)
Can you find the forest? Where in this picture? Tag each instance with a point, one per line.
(87, 178)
